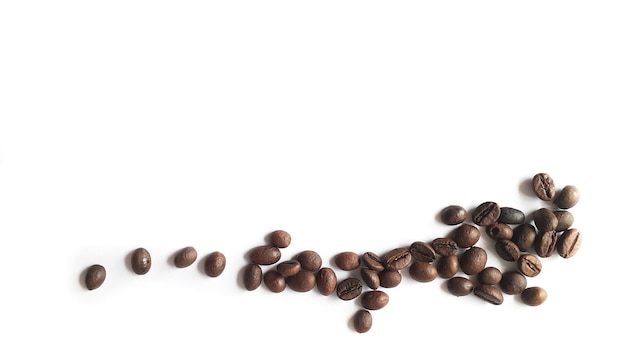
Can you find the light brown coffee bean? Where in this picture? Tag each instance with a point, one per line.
(288, 267)
(96, 274)
(499, 230)
(303, 281)
(545, 220)
(252, 276)
(274, 281)
(362, 321)
(524, 236)
(545, 244)
(373, 261)
(215, 264)
(486, 213)
(565, 220)
(265, 254)
(309, 260)
(444, 246)
(397, 259)
(567, 197)
(349, 289)
(513, 282)
(543, 186)
(569, 243)
(326, 281)
(423, 271)
(465, 235)
(460, 286)
(141, 261)
(448, 266)
(370, 278)
(280, 238)
(422, 251)
(529, 265)
(389, 278)
(347, 261)
(185, 257)
(534, 296)
(489, 293)
(507, 250)
(374, 300)
(489, 276)
(473, 260)
(453, 215)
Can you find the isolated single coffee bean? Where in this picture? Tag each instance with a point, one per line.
(453, 215)
(489, 293)
(565, 220)
(545, 220)
(370, 278)
(543, 186)
(486, 213)
(444, 246)
(303, 281)
(389, 278)
(373, 261)
(215, 264)
(347, 261)
(423, 271)
(362, 321)
(185, 257)
(96, 274)
(374, 300)
(397, 259)
(309, 260)
(568, 243)
(349, 289)
(280, 238)
(460, 286)
(265, 254)
(567, 197)
(252, 276)
(511, 216)
(513, 282)
(507, 250)
(489, 276)
(326, 281)
(465, 235)
(422, 251)
(473, 260)
(529, 265)
(534, 296)
(141, 261)
(448, 266)
(545, 244)
(499, 230)
(274, 281)
(288, 267)
(524, 236)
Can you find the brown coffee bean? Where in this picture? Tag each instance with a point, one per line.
(524, 236)
(453, 215)
(389, 278)
(349, 288)
(397, 259)
(465, 235)
(252, 276)
(529, 265)
(347, 261)
(486, 213)
(372, 261)
(460, 286)
(567, 197)
(545, 244)
(141, 261)
(370, 278)
(499, 230)
(309, 260)
(374, 300)
(534, 296)
(362, 321)
(507, 250)
(568, 243)
(513, 282)
(423, 271)
(473, 260)
(303, 281)
(96, 274)
(489, 293)
(288, 267)
(565, 220)
(326, 281)
(280, 239)
(448, 266)
(444, 246)
(545, 220)
(543, 186)
(274, 281)
(422, 251)
(489, 276)
(185, 257)
(215, 264)
(265, 255)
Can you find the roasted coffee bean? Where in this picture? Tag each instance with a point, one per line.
(460, 286)
(489, 293)
(473, 260)
(545, 220)
(524, 236)
(349, 288)
(534, 296)
(423, 271)
(513, 282)
(444, 246)
(448, 266)
(280, 239)
(453, 215)
(362, 321)
(545, 244)
(507, 250)
(265, 255)
(347, 261)
(141, 261)
(489, 276)
(565, 220)
(303, 281)
(389, 278)
(95, 276)
(529, 265)
(499, 230)
(372, 261)
(567, 197)
(309, 260)
(374, 300)
(543, 186)
(397, 259)
(569, 243)
(215, 264)
(465, 235)
(185, 257)
(486, 213)
(370, 278)
(326, 281)
(288, 267)
(274, 281)
(511, 216)
(422, 251)
(252, 276)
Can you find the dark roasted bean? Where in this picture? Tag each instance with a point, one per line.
(448, 266)
(349, 288)
(473, 260)
(465, 235)
(252, 276)
(303, 281)
(489, 293)
(545, 220)
(524, 236)
(397, 259)
(274, 281)
(489, 276)
(507, 250)
(370, 277)
(280, 239)
(141, 261)
(499, 230)
(422, 251)
(423, 271)
(185, 257)
(372, 261)
(265, 255)
(374, 300)
(288, 267)
(453, 215)
(347, 261)
(444, 246)
(486, 213)
(96, 274)
(326, 281)
(215, 264)
(460, 286)
(513, 282)
(389, 278)
(309, 260)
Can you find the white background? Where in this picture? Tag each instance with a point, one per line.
(349, 124)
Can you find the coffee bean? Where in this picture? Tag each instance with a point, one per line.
(303, 281)
(370, 278)
(524, 236)
(347, 261)
(534, 296)
(567, 197)
(252, 276)
(465, 235)
(486, 213)
(489, 293)
(374, 300)
(569, 243)
(185, 257)
(499, 230)
(545, 220)
(545, 244)
(511, 216)
(309, 260)
(96, 274)
(265, 255)
(422, 251)
(274, 281)
(460, 286)
(397, 259)
(372, 261)
(543, 186)
(288, 267)
(507, 250)
(444, 246)
(280, 239)
(423, 271)
(473, 260)
(141, 261)
(529, 265)
(326, 281)
(565, 220)
(489, 276)
(453, 215)
(389, 278)
(215, 264)
(362, 321)
(513, 282)
(448, 266)
(349, 288)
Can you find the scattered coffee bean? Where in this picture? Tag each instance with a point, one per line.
(545, 244)
(372, 261)
(473, 260)
(141, 261)
(326, 281)
(309, 260)
(465, 235)
(569, 243)
(265, 255)
(303, 281)
(489, 276)
(370, 278)
(185, 257)
(349, 288)
(288, 267)
(374, 300)
(513, 282)
(422, 251)
(534, 296)
(486, 213)
(529, 265)
(565, 220)
(453, 215)
(511, 216)
(524, 236)
(252, 276)
(489, 293)
(444, 246)
(499, 230)
(448, 266)
(95, 276)
(362, 321)
(274, 281)
(389, 278)
(347, 261)
(544, 186)
(215, 264)
(280, 239)
(397, 259)
(567, 197)
(507, 250)
(423, 271)
(545, 220)
(460, 286)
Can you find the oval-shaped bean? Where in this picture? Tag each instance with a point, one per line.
(141, 261)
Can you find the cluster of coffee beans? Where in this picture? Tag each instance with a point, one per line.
(517, 238)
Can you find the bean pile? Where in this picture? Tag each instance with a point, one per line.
(514, 236)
